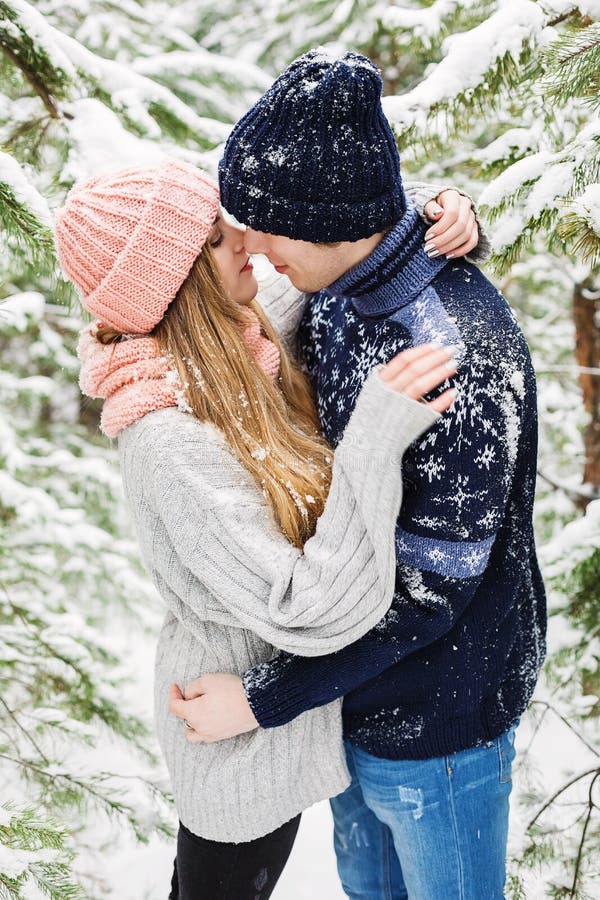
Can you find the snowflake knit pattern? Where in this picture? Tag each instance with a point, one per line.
(455, 661)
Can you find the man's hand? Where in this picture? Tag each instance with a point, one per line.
(215, 706)
(455, 232)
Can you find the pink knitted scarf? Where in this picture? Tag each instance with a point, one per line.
(134, 379)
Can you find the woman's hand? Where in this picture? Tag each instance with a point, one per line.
(455, 232)
(215, 706)
(418, 371)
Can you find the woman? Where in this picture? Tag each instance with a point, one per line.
(255, 537)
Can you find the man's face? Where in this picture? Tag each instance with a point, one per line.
(310, 267)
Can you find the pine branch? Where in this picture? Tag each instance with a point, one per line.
(435, 105)
(48, 80)
(132, 93)
(572, 66)
(562, 17)
(582, 235)
(55, 882)
(561, 790)
(591, 806)
(24, 731)
(20, 223)
(575, 494)
(26, 832)
(419, 31)
(78, 787)
(569, 220)
(549, 708)
(35, 82)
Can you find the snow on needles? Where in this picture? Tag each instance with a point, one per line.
(41, 34)
(588, 206)
(18, 310)
(14, 176)
(469, 57)
(424, 23)
(547, 176)
(200, 62)
(99, 142)
(525, 170)
(133, 92)
(130, 92)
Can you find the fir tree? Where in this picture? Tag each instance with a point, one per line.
(76, 756)
(500, 95)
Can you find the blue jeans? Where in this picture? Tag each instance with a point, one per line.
(429, 829)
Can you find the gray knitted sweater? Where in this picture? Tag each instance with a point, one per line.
(236, 590)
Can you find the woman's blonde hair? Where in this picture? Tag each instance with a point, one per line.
(273, 427)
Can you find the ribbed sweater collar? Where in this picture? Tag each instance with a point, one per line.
(394, 273)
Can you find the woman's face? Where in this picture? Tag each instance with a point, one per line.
(233, 261)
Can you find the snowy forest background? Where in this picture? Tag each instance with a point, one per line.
(499, 97)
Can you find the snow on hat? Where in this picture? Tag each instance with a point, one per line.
(129, 239)
(315, 158)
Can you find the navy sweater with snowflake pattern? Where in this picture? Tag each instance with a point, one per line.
(454, 662)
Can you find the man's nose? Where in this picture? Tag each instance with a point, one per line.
(255, 241)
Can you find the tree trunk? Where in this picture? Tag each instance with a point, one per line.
(586, 315)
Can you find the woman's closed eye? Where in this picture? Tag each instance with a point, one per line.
(215, 239)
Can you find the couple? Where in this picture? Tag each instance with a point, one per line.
(399, 572)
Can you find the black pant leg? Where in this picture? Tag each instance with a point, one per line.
(211, 870)
(174, 892)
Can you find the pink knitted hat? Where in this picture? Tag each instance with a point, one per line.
(128, 239)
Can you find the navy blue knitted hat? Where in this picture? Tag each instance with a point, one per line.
(315, 158)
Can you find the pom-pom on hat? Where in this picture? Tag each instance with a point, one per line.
(129, 239)
(315, 158)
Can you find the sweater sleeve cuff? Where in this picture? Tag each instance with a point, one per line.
(482, 252)
(421, 193)
(271, 707)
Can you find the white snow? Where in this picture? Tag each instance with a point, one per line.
(5, 817)
(133, 92)
(13, 175)
(99, 142)
(590, 8)
(520, 173)
(43, 35)
(546, 178)
(200, 63)
(573, 543)
(548, 191)
(424, 23)
(512, 142)
(468, 57)
(587, 205)
(19, 309)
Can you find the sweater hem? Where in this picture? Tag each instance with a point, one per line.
(443, 739)
(247, 830)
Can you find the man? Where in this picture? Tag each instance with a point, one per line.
(433, 693)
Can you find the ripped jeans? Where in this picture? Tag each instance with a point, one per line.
(430, 829)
